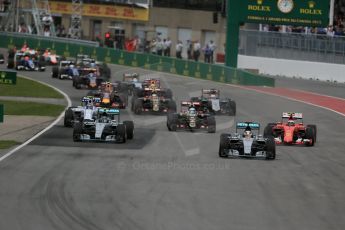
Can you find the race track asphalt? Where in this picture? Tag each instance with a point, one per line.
(166, 180)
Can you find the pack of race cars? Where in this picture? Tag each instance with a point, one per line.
(198, 113)
(98, 116)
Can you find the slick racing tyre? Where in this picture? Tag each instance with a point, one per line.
(129, 129)
(121, 133)
(223, 145)
(268, 131)
(172, 106)
(10, 64)
(315, 130)
(169, 93)
(138, 106)
(270, 149)
(211, 124)
(77, 131)
(69, 117)
(55, 72)
(172, 120)
(310, 134)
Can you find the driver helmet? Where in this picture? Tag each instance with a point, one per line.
(71, 66)
(192, 111)
(247, 132)
(135, 79)
(104, 117)
(89, 104)
(291, 122)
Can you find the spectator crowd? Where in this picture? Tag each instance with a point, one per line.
(163, 47)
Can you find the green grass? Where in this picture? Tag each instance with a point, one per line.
(31, 108)
(7, 144)
(28, 88)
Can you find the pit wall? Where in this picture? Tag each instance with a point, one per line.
(193, 69)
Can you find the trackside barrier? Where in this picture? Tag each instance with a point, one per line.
(193, 69)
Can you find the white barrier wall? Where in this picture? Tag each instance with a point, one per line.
(291, 68)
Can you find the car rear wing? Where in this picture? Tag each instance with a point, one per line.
(252, 125)
(108, 111)
(292, 115)
(67, 62)
(210, 92)
(156, 82)
(190, 103)
(87, 99)
(107, 85)
(247, 124)
(82, 56)
(97, 100)
(130, 76)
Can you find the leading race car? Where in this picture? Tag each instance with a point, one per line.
(246, 142)
(105, 127)
(291, 130)
(191, 119)
(210, 99)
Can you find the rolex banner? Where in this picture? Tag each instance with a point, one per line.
(8, 77)
(286, 12)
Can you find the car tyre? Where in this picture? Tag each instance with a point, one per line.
(121, 133)
(270, 149)
(69, 117)
(77, 131)
(223, 145)
(138, 106)
(211, 124)
(129, 129)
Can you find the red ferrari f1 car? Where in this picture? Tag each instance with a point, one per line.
(291, 130)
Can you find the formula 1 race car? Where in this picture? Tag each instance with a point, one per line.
(50, 57)
(210, 100)
(291, 130)
(29, 60)
(110, 100)
(152, 100)
(65, 70)
(77, 113)
(191, 119)
(245, 142)
(84, 60)
(84, 63)
(132, 82)
(89, 81)
(105, 127)
(153, 84)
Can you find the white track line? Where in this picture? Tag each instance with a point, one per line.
(293, 99)
(69, 103)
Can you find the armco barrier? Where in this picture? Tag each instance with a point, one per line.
(193, 69)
